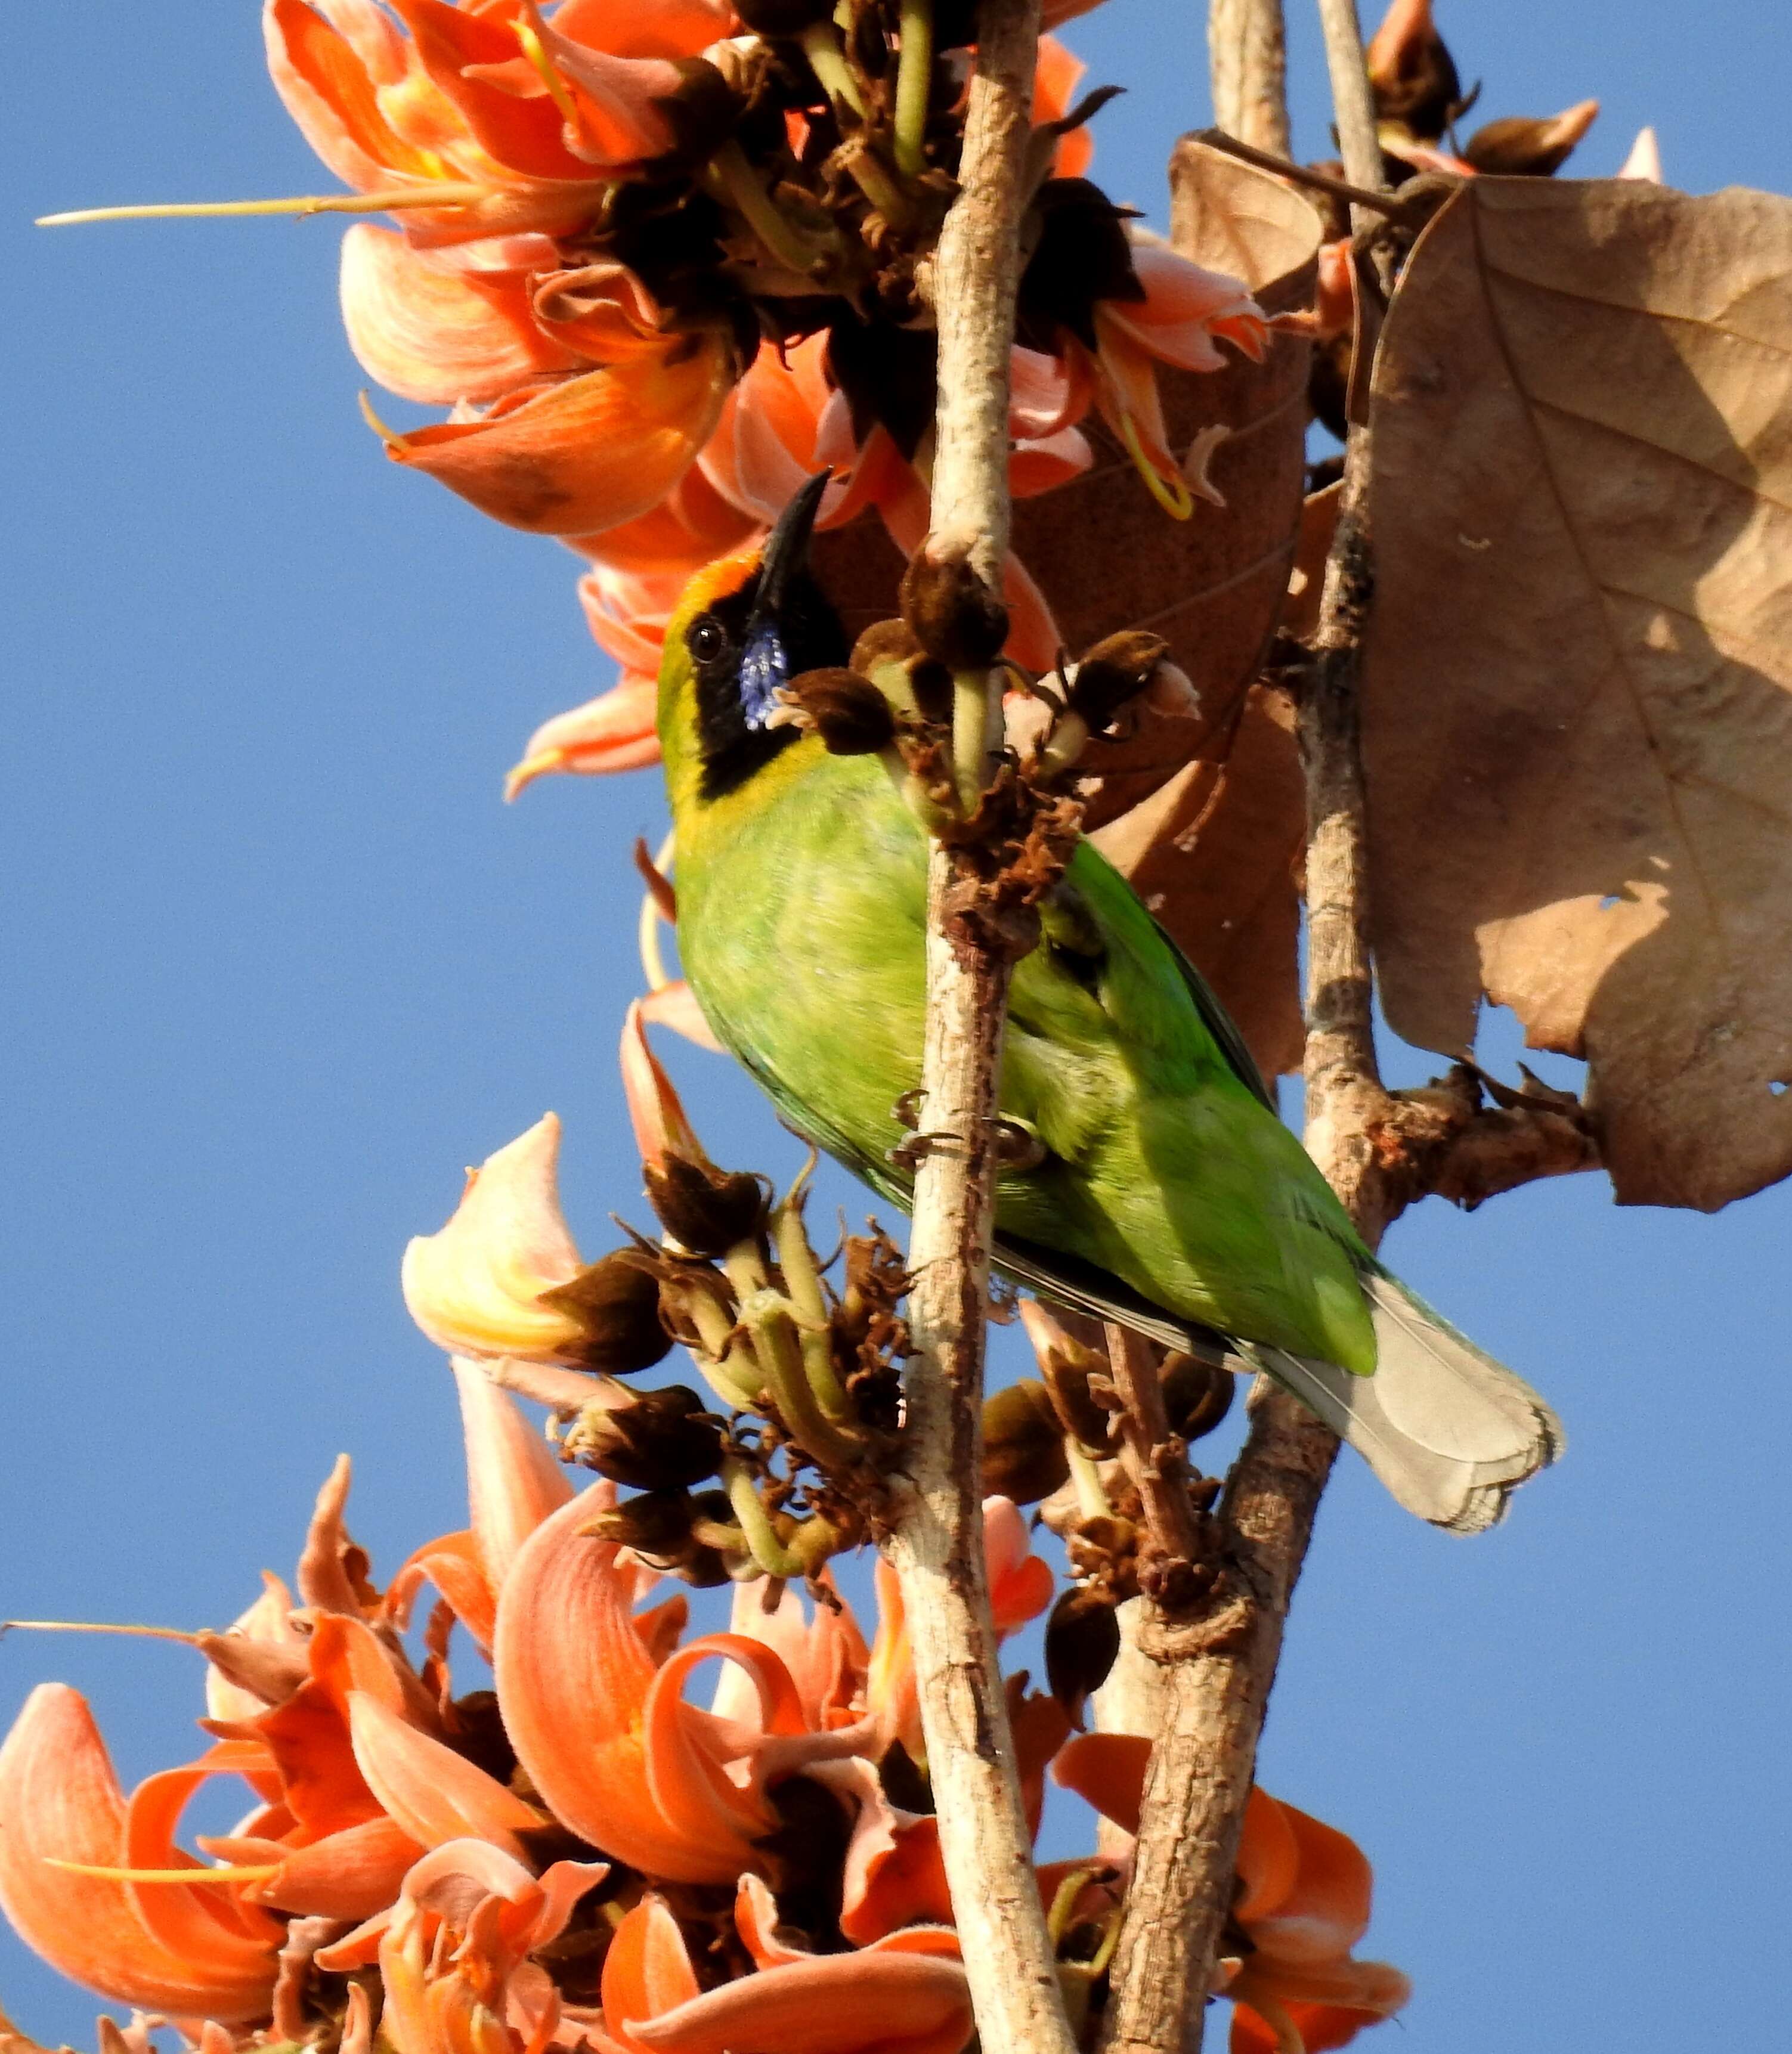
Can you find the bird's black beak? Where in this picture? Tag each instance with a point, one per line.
(787, 550)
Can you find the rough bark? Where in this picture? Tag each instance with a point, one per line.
(936, 1541)
(1247, 62)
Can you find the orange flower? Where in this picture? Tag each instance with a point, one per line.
(905, 1994)
(195, 1951)
(604, 1732)
(454, 1951)
(1302, 1903)
(1184, 309)
(524, 123)
(476, 1287)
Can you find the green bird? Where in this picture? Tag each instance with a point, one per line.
(1167, 1195)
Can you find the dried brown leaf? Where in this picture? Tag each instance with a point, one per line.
(1215, 855)
(1578, 697)
(1306, 578)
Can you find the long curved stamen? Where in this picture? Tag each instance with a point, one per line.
(1176, 500)
(542, 65)
(259, 1872)
(449, 192)
(94, 1625)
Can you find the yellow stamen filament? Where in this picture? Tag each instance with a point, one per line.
(449, 192)
(390, 437)
(532, 767)
(542, 65)
(92, 1626)
(260, 1872)
(1173, 496)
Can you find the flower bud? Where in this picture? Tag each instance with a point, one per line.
(1197, 1395)
(1067, 1366)
(1115, 671)
(1518, 147)
(1023, 1444)
(1411, 73)
(705, 1210)
(1082, 1641)
(953, 614)
(616, 1303)
(659, 1440)
(848, 711)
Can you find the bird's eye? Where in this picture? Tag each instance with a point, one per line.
(707, 639)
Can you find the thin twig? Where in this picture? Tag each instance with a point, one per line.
(1247, 62)
(936, 1538)
(1152, 1459)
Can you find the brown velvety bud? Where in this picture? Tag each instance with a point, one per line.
(848, 711)
(1082, 1640)
(1196, 1396)
(616, 1301)
(956, 619)
(1412, 75)
(701, 111)
(1067, 1370)
(1116, 669)
(703, 1209)
(657, 1524)
(1520, 148)
(1023, 1444)
(883, 641)
(654, 1440)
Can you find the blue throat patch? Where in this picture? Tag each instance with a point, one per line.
(763, 667)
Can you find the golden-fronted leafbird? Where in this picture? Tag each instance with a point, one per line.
(1165, 1193)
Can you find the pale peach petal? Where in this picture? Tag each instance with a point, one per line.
(655, 1110)
(1644, 160)
(627, 613)
(431, 331)
(674, 1006)
(1042, 465)
(268, 1624)
(588, 454)
(433, 1794)
(602, 310)
(324, 1580)
(59, 1798)
(619, 122)
(1020, 1581)
(513, 1480)
(894, 1875)
(474, 1287)
(349, 1875)
(616, 731)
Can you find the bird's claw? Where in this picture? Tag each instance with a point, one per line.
(1017, 1145)
(908, 1155)
(906, 1111)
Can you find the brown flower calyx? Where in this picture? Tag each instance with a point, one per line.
(952, 612)
(662, 1439)
(617, 1303)
(1082, 1642)
(706, 1210)
(847, 710)
(1024, 1456)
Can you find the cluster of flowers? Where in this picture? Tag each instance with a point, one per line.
(579, 1856)
(666, 259)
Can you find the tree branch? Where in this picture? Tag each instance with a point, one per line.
(936, 1538)
(1247, 62)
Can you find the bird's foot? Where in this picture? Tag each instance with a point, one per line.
(1017, 1145)
(906, 1111)
(910, 1153)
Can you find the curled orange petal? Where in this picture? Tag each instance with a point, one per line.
(877, 2001)
(431, 330)
(60, 1801)
(587, 454)
(433, 1794)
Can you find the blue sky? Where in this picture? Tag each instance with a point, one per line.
(283, 963)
